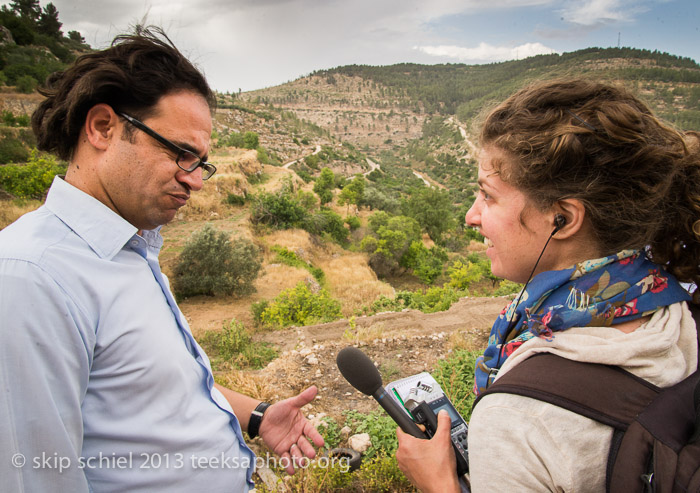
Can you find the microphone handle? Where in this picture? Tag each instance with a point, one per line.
(397, 414)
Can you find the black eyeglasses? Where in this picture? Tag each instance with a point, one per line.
(186, 160)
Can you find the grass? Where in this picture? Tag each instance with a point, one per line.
(233, 347)
(10, 211)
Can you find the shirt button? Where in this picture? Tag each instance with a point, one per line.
(135, 243)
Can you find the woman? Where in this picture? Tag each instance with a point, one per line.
(584, 175)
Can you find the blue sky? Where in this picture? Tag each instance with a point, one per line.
(251, 44)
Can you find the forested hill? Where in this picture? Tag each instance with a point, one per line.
(671, 84)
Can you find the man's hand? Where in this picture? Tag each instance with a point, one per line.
(285, 429)
(429, 464)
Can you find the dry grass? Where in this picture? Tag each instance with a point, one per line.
(351, 280)
(466, 340)
(249, 383)
(10, 211)
(356, 334)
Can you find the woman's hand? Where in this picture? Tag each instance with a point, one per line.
(429, 464)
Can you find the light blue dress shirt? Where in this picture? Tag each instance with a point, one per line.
(102, 386)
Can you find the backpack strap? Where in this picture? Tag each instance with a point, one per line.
(606, 394)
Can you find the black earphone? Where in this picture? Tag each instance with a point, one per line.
(559, 222)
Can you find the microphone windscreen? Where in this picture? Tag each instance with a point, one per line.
(358, 370)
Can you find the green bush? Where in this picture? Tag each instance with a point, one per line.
(33, 179)
(455, 374)
(251, 140)
(300, 306)
(233, 199)
(353, 222)
(288, 257)
(426, 263)
(327, 222)
(26, 84)
(281, 210)
(233, 345)
(210, 264)
(13, 150)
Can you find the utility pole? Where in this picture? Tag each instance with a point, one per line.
(618, 40)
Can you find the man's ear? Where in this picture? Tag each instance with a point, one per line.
(574, 212)
(101, 125)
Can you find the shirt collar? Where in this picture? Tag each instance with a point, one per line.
(99, 226)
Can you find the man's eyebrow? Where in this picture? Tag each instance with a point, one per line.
(188, 147)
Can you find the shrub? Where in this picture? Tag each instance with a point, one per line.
(251, 140)
(426, 263)
(33, 179)
(455, 374)
(288, 257)
(13, 151)
(26, 84)
(327, 222)
(353, 222)
(280, 210)
(300, 306)
(210, 264)
(233, 199)
(233, 345)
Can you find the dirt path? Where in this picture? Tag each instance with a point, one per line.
(400, 343)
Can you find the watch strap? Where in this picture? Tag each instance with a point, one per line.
(256, 418)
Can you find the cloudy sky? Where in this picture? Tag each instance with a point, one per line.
(251, 44)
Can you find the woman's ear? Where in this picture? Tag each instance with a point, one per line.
(568, 217)
(100, 126)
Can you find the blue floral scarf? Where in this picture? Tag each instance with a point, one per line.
(594, 293)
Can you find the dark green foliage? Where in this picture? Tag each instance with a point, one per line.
(433, 210)
(353, 222)
(250, 140)
(280, 210)
(210, 264)
(234, 346)
(233, 199)
(10, 120)
(12, 151)
(31, 180)
(324, 185)
(327, 222)
(26, 84)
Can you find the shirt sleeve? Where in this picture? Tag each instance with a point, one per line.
(44, 369)
(521, 444)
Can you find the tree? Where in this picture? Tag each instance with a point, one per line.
(76, 36)
(324, 186)
(210, 264)
(389, 239)
(353, 192)
(29, 9)
(250, 140)
(432, 208)
(49, 23)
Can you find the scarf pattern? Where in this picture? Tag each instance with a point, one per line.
(592, 293)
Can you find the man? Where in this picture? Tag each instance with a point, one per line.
(102, 386)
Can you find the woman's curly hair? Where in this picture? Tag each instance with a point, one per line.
(638, 178)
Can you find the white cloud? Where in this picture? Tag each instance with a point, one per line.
(597, 12)
(486, 52)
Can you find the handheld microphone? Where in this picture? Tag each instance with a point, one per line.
(360, 372)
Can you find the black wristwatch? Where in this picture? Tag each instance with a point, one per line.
(256, 418)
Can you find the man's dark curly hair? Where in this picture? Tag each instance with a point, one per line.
(131, 76)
